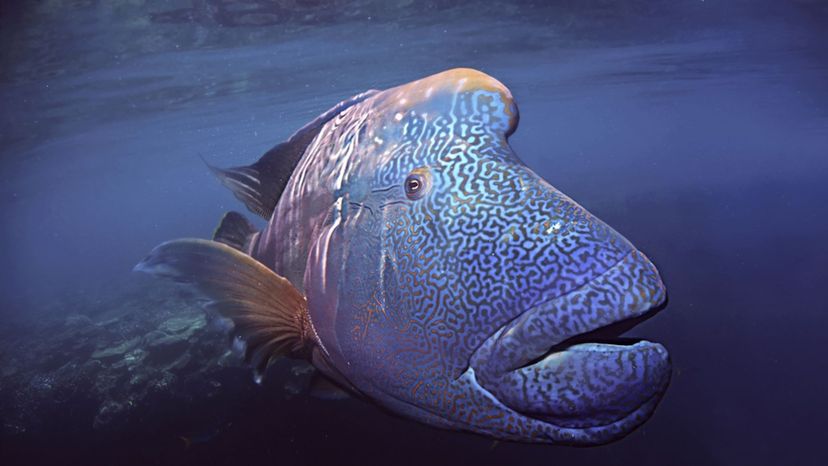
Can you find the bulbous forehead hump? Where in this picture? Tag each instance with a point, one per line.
(437, 93)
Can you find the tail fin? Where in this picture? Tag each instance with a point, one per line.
(269, 313)
(235, 231)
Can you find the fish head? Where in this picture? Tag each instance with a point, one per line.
(454, 285)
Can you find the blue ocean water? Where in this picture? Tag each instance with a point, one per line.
(698, 129)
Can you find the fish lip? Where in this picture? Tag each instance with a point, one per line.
(614, 306)
(609, 432)
(626, 317)
(612, 334)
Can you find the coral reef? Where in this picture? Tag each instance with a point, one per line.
(148, 360)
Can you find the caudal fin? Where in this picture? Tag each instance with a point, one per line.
(269, 313)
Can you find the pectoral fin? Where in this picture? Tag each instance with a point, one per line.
(268, 312)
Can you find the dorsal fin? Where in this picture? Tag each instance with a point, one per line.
(260, 185)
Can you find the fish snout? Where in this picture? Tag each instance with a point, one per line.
(561, 361)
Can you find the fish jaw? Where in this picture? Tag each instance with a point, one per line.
(542, 366)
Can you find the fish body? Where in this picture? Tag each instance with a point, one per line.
(418, 263)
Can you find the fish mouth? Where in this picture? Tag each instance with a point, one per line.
(608, 335)
(565, 363)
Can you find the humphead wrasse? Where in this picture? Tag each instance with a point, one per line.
(416, 262)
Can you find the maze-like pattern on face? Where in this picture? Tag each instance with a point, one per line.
(441, 304)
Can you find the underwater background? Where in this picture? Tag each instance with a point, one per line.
(697, 129)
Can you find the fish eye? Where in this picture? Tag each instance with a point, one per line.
(413, 184)
(416, 184)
